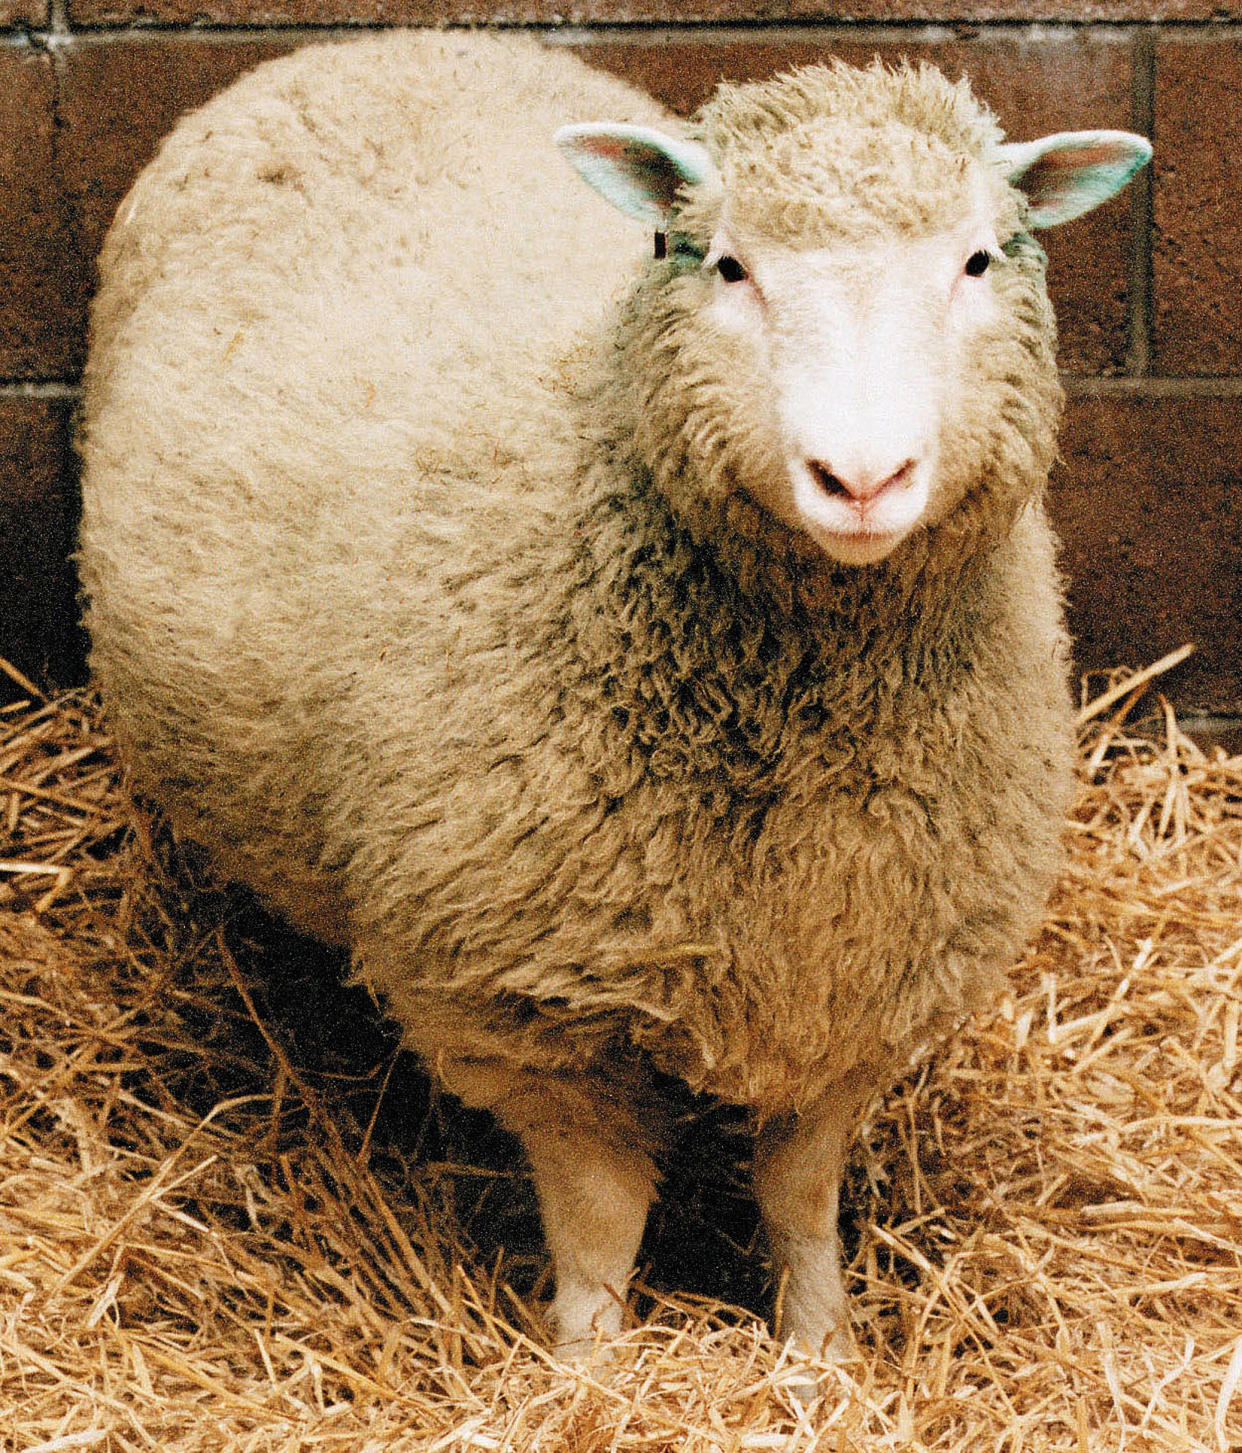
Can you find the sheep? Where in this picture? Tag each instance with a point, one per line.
(648, 658)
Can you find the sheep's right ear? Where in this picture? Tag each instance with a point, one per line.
(638, 169)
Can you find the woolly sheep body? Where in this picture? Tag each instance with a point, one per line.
(301, 173)
(413, 597)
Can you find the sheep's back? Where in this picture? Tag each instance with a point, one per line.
(322, 391)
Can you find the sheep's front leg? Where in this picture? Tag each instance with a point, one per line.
(594, 1176)
(799, 1161)
(594, 1195)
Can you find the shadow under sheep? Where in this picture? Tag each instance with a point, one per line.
(703, 1237)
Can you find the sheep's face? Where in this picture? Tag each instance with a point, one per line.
(850, 324)
(856, 356)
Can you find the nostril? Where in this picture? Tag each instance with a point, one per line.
(899, 476)
(827, 481)
(861, 485)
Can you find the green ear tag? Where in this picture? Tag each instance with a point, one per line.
(687, 255)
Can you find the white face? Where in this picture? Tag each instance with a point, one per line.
(863, 347)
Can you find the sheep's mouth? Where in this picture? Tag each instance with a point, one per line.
(857, 530)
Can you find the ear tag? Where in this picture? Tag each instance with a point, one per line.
(684, 254)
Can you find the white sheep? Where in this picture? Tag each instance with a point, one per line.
(646, 669)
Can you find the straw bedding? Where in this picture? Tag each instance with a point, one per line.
(233, 1217)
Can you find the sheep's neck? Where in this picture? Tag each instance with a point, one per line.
(717, 658)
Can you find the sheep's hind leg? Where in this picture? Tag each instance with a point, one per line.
(595, 1180)
(798, 1165)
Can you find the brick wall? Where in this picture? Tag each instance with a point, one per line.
(1147, 289)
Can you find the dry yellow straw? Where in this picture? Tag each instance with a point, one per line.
(217, 1232)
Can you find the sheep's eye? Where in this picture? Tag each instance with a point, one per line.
(977, 263)
(731, 269)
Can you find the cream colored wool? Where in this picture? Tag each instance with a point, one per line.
(435, 603)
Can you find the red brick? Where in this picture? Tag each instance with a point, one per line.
(1149, 507)
(582, 12)
(1052, 83)
(1197, 210)
(29, 14)
(37, 614)
(42, 272)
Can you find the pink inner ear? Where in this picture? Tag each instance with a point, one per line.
(608, 146)
(653, 172)
(1078, 157)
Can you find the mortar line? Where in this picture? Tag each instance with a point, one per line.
(1141, 321)
(1152, 386)
(645, 32)
(58, 390)
(62, 28)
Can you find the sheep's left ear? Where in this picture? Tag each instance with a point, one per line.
(638, 169)
(1066, 175)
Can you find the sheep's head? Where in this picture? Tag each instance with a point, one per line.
(847, 320)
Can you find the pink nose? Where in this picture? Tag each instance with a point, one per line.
(859, 485)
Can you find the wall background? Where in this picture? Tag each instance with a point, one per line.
(1148, 289)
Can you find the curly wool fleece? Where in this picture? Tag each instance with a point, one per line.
(446, 615)
(831, 152)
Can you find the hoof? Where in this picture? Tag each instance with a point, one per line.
(584, 1349)
(803, 1382)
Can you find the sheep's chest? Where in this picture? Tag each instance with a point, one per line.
(857, 914)
(765, 863)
